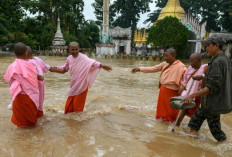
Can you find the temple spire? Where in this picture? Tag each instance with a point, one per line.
(172, 8)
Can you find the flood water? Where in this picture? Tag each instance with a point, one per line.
(118, 119)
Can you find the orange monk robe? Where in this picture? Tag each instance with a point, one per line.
(25, 112)
(83, 72)
(76, 103)
(170, 81)
(22, 78)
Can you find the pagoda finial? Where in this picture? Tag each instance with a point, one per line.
(172, 8)
(144, 40)
(135, 36)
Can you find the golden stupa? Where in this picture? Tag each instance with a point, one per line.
(135, 36)
(139, 37)
(144, 39)
(172, 8)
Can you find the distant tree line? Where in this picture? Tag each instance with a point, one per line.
(39, 31)
(217, 13)
(16, 25)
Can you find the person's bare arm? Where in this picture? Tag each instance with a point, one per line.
(54, 69)
(105, 67)
(181, 89)
(153, 69)
(134, 70)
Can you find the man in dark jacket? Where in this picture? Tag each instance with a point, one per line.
(216, 93)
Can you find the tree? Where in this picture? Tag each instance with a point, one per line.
(89, 35)
(169, 32)
(226, 17)
(98, 11)
(129, 12)
(69, 11)
(11, 13)
(202, 10)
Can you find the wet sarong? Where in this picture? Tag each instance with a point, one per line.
(24, 111)
(164, 110)
(76, 103)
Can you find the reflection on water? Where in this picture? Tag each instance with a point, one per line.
(118, 120)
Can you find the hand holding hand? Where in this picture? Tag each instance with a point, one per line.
(52, 69)
(134, 70)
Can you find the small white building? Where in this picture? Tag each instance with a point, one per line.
(122, 40)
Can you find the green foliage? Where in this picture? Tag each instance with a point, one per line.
(226, 17)
(202, 10)
(39, 32)
(98, 11)
(169, 32)
(129, 12)
(88, 35)
(69, 37)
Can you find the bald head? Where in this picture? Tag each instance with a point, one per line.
(195, 60)
(197, 56)
(172, 51)
(20, 49)
(29, 52)
(170, 55)
(74, 49)
(73, 44)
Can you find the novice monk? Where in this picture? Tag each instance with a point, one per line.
(21, 75)
(83, 72)
(40, 76)
(45, 68)
(170, 80)
(196, 70)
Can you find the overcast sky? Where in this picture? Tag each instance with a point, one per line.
(88, 12)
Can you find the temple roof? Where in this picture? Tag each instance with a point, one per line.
(121, 32)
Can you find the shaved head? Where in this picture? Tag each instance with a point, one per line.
(195, 60)
(172, 51)
(73, 44)
(74, 49)
(197, 56)
(29, 51)
(20, 49)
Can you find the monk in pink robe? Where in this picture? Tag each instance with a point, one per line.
(43, 68)
(195, 70)
(170, 80)
(21, 75)
(83, 72)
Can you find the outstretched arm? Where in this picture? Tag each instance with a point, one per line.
(134, 70)
(105, 67)
(46, 67)
(61, 69)
(55, 69)
(153, 69)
